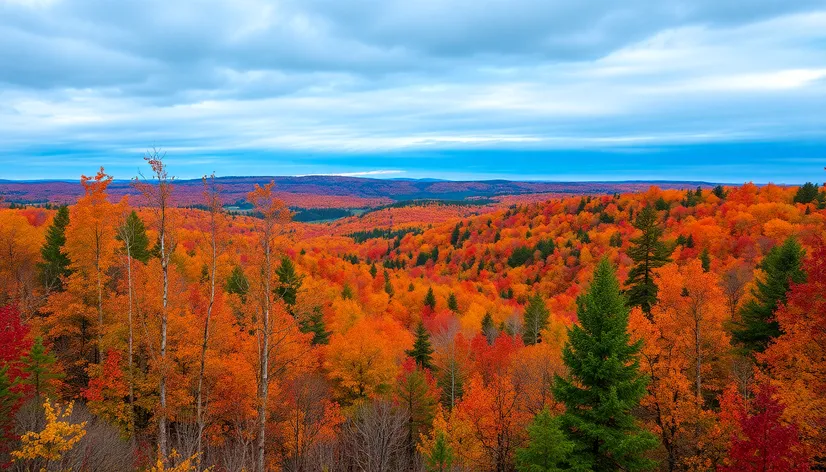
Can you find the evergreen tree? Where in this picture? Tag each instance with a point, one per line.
(452, 303)
(648, 253)
(138, 241)
(536, 320)
(8, 406)
(39, 364)
(604, 383)
(422, 351)
(455, 235)
(757, 326)
(807, 193)
(719, 192)
(373, 270)
(237, 282)
(314, 323)
(289, 282)
(430, 299)
(55, 265)
(547, 447)
(388, 287)
(705, 260)
(347, 292)
(489, 330)
(440, 457)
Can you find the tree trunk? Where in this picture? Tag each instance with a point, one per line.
(131, 340)
(200, 407)
(263, 388)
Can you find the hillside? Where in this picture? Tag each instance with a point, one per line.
(440, 324)
(333, 191)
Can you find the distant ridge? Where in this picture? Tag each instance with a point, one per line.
(340, 191)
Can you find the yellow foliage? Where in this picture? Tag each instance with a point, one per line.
(190, 464)
(57, 437)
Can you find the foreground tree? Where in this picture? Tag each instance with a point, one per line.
(157, 191)
(763, 442)
(757, 326)
(795, 360)
(273, 214)
(547, 447)
(604, 383)
(648, 253)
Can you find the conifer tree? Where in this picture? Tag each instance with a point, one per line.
(604, 383)
(430, 299)
(648, 253)
(137, 239)
(55, 265)
(547, 447)
(705, 260)
(237, 282)
(440, 457)
(39, 364)
(8, 406)
(388, 287)
(489, 330)
(807, 193)
(452, 303)
(289, 282)
(536, 320)
(757, 326)
(422, 351)
(314, 323)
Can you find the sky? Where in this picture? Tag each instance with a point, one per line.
(721, 91)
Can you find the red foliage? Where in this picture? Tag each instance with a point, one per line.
(764, 443)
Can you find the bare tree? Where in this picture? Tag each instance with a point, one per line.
(273, 214)
(157, 190)
(733, 282)
(212, 199)
(374, 438)
(126, 233)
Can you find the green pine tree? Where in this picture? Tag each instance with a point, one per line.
(347, 292)
(648, 253)
(388, 287)
(452, 303)
(489, 330)
(547, 448)
(289, 282)
(807, 193)
(430, 299)
(8, 406)
(455, 235)
(705, 260)
(373, 270)
(314, 323)
(422, 351)
(55, 265)
(604, 383)
(719, 192)
(237, 282)
(440, 457)
(133, 234)
(536, 320)
(39, 364)
(757, 327)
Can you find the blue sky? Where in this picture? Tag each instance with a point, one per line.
(523, 89)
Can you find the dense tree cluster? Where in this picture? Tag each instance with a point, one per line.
(659, 330)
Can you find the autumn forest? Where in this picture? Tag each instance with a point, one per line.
(653, 328)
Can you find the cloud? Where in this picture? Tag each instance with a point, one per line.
(213, 77)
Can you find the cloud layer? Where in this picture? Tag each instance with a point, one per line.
(313, 86)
